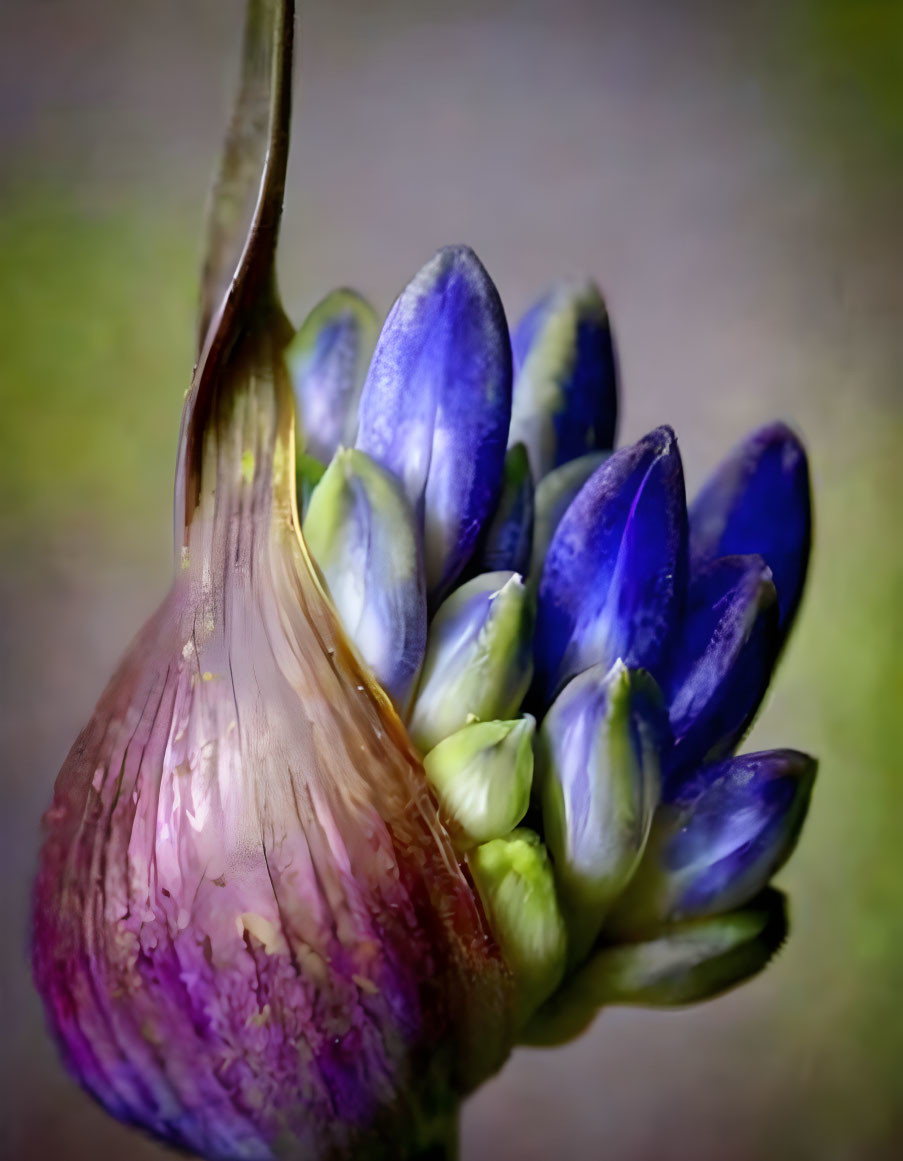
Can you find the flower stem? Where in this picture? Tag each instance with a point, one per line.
(443, 1147)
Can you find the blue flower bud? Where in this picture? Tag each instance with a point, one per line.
(720, 659)
(683, 963)
(327, 362)
(565, 389)
(478, 661)
(719, 840)
(436, 405)
(598, 763)
(758, 501)
(508, 538)
(554, 494)
(614, 574)
(360, 530)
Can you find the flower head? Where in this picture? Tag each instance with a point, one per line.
(431, 746)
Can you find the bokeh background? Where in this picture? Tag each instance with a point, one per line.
(732, 173)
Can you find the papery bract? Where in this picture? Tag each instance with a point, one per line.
(251, 933)
(250, 929)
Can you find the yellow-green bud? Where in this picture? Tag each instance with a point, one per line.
(515, 881)
(478, 660)
(482, 776)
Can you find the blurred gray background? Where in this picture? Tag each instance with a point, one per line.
(732, 174)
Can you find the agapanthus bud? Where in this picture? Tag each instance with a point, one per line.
(565, 400)
(508, 539)
(359, 528)
(719, 839)
(516, 884)
(437, 402)
(614, 573)
(758, 501)
(327, 360)
(720, 659)
(482, 777)
(478, 662)
(598, 757)
(554, 494)
(683, 963)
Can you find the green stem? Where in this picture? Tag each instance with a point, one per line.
(443, 1147)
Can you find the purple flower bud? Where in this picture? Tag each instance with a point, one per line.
(437, 402)
(720, 659)
(758, 501)
(565, 388)
(508, 538)
(327, 360)
(615, 571)
(719, 840)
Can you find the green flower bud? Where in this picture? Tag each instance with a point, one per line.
(515, 881)
(482, 776)
(478, 658)
(683, 963)
(359, 528)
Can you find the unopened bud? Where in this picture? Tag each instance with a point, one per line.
(482, 776)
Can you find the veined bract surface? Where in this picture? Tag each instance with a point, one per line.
(251, 933)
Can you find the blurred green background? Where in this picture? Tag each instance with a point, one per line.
(732, 174)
